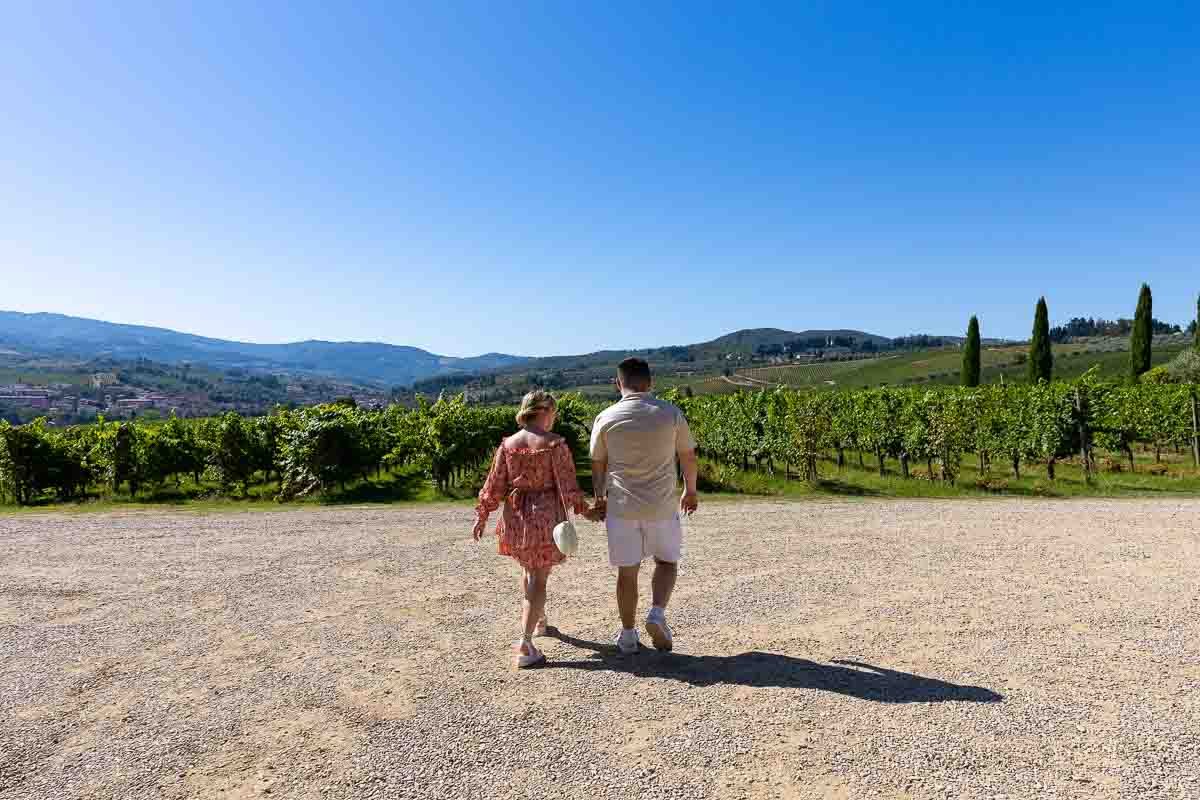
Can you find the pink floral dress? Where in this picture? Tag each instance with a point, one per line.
(528, 482)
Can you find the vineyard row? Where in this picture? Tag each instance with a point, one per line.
(312, 450)
(1013, 425)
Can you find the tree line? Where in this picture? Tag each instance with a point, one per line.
(297, 452)
(308, 451)
(1078, 327)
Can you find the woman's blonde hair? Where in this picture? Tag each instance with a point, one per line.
(534, 404)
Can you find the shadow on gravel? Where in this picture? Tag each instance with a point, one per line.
(385, 490)
(757, 669)
(844, 489)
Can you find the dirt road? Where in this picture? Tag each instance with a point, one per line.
(859, 649)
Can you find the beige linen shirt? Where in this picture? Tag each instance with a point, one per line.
(640, 437)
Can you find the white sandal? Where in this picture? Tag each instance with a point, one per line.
(525, 655)
(540, 628)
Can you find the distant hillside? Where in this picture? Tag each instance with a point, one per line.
(747, 341)
(56, 336)
(674, 365)
(752, 340)
(75, 337)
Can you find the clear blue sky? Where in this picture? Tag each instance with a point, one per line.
(438, 174)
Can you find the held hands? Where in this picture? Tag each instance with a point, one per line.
(688, 503)
(598, 512)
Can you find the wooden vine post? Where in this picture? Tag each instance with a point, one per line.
(1195, 430)
(1085, 448)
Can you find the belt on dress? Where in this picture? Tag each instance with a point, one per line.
(516, 496)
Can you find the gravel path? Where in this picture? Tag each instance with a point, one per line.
(852, 649)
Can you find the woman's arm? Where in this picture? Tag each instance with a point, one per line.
(494, 490)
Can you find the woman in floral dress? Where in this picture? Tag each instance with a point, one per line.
(533, 478)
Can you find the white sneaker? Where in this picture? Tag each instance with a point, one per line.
(659, 630)
(628, 641)
(526, 655)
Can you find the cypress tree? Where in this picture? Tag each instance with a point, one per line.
(971, 356)
(1143, 333)
(1196, 333)
(1041, 360)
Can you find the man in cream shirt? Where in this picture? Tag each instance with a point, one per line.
(635, 444)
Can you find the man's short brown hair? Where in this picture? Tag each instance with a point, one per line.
(634, 374)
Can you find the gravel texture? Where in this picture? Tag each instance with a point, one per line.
(912, 649)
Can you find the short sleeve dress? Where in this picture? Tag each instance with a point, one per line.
(527, 483)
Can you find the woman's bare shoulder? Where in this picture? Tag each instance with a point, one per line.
(524, 440)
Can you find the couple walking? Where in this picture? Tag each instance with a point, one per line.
(635, 444)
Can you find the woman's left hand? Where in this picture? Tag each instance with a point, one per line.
(480, 527)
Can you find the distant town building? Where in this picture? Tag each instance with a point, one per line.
(28, 400)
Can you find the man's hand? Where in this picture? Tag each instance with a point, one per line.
(691, 470)
(688, 503)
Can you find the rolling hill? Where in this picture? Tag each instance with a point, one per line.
(746, 342)
(751, 339)
(57, 335)
(47, 336)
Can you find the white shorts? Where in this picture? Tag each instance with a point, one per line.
(631, 540)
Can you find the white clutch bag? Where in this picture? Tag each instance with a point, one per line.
(565, 538)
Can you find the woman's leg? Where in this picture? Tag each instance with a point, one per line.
(535, 598)
(539, 621)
